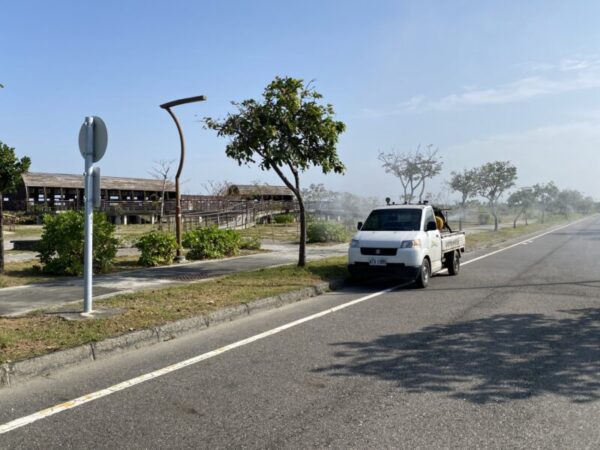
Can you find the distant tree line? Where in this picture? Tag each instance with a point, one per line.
(489, 182)
(492, 180)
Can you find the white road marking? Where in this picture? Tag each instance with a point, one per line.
(18, 423)
(531, 239)
(26, 420)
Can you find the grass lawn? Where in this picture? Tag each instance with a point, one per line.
(278, 232)
(22, 231)
(37, 333)
(128, 234)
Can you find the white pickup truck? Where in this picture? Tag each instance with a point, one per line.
(404, 240)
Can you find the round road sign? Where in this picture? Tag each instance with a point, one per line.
(100, 139)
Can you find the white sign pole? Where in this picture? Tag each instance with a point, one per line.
(89, 216)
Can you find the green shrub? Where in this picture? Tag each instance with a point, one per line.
(283, 218)
(156, 248)
(326, 232)
(250, 243)
(211, 242)
(61, 247)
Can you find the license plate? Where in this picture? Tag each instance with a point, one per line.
(377, 262)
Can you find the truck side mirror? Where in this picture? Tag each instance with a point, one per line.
(359, 226)
(431, 226)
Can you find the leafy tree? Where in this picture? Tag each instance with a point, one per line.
(523, 200)
(587, 205)
(412, 169)
(11, 169)
(494, 178)
(569, 201)
(288, 131)
(545, 194)
(465, 183)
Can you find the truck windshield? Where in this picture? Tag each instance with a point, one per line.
(393, 220)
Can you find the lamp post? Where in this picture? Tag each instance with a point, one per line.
(168, 106)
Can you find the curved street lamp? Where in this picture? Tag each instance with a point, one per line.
(168, 106)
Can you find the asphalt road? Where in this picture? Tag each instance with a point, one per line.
(506, 355)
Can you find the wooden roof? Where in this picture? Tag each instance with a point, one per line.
(248, 190)
(67, 181)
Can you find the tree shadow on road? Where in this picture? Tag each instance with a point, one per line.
(496, 359)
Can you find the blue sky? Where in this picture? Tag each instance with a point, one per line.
(480, 80)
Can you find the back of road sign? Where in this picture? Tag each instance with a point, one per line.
(100, 139)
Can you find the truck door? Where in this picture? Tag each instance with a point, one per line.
(435, 240)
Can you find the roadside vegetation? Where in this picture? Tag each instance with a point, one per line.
(40, 332)
(61, 246)
(324, 232)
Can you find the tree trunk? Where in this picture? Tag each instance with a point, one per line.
(495, 214)
(517, 218)
(1, 232)
(302, 249)
(543, 211)
(162, 204)
(422, 190)
(295, 188)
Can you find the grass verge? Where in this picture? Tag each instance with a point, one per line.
(39, 333)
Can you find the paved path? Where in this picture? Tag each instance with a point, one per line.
(22, 299)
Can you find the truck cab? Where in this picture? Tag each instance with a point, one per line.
(404, 240)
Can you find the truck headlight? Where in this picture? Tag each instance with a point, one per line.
(411, 244)
(354, 243)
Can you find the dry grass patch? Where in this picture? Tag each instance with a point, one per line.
(289, 232)
(37, 333)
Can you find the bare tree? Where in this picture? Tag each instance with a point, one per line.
(466, 184)
(412, 169)
(429, 164)
(216, 188)
(162, 170)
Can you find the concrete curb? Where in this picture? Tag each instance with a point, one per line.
(15, 373)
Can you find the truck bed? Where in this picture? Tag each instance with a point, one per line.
(453, 241)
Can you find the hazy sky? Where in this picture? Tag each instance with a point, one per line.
(483, 81)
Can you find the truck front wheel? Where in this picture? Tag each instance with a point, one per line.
(424, 274)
